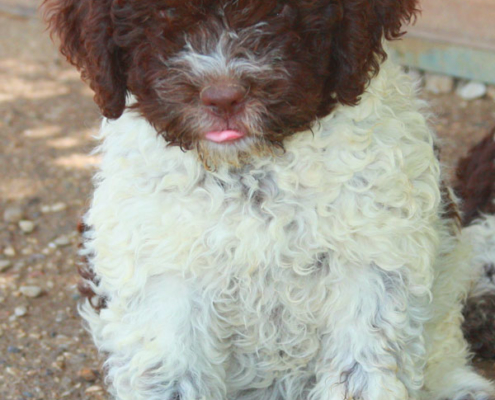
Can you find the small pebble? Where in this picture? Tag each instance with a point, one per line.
(31, 291)
(88, 374)
(13, 350)
(20, 311)
(13, 214)
(59, 363)
(471, 90)
(94, 389)
(35, 335)
(27, 251)
(62, 241)
(9, 251)
(28, 394)
(439, 83)
(58, 207)
(5, 265)
(27, 226)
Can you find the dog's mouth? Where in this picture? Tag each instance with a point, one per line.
(224, 136)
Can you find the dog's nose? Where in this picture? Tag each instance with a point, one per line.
(223, 98)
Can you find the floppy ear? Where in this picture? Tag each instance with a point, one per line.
(85, 31)
(357, 43)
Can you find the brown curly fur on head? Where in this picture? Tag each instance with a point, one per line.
(310, 55)
(85, 31)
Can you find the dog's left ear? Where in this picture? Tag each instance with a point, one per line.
(85, 31)
(357, 43)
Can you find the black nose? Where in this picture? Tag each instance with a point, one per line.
(223, 98)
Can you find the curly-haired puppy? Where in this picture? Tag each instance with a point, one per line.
(268, 220)
(476, 187)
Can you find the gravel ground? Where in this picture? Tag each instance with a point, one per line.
(47, 119)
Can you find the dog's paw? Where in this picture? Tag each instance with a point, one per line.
(461, 383)
(465, 384)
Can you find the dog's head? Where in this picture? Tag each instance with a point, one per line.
(227, 76)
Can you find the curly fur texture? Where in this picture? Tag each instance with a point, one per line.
(306, 275)
(325, 53)
(476, 187)
(313, 259)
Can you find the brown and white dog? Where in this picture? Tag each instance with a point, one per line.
(476, 187)
(267, 221)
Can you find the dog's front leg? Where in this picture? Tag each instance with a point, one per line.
(372, 344)
(158, 343)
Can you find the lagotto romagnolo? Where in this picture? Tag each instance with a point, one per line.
(268, 220)
(476, 186)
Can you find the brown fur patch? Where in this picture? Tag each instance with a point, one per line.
(479, 325)
(476, 180)
(451, 209)
(88, 276)
(476, 187)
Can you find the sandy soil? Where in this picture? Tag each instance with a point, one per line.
(47, 119)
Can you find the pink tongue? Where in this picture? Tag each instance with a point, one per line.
(223, 136)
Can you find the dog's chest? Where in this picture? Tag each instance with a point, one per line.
(254, 252)
(271, 318)
(241, 224)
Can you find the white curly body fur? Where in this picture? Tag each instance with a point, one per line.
(481, 235)
(322, 273)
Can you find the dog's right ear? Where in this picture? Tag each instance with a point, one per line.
(85, 31)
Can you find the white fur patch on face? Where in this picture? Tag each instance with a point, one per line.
(222, 58)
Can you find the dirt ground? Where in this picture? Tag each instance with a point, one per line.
(47, 119)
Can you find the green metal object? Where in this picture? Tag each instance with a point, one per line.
(445, 58)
